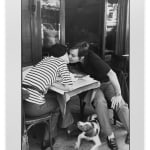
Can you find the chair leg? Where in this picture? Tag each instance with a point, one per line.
(25, 141)
(50, 131)
(114, 117)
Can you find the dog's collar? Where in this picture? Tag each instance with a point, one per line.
(94, 120)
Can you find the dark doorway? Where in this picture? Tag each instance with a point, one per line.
(83, 21)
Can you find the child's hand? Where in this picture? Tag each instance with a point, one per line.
(73, 77)
(79, 75)
(70, 87)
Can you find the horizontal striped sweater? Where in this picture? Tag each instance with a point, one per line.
(44, 75)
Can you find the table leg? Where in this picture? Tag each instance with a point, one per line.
(62, 103)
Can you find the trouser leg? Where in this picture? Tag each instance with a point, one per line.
(123, 114)
(101, 109)
(122, 111)
(53, 126)
(67, 119)
(35, 110)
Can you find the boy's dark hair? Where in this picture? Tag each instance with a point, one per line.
(82, 47)
(57, 50)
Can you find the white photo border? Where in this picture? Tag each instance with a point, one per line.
(13, 74)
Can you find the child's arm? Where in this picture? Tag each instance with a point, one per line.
(65, 75)
(66, 83)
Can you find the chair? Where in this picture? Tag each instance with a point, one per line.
(30, 122)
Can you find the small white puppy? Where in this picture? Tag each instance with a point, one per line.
(90, 131)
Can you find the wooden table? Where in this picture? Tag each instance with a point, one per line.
(81, 85)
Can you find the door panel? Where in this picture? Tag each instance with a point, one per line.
(31, 32)
(26, 33)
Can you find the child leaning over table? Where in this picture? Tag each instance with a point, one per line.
(39, 78)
